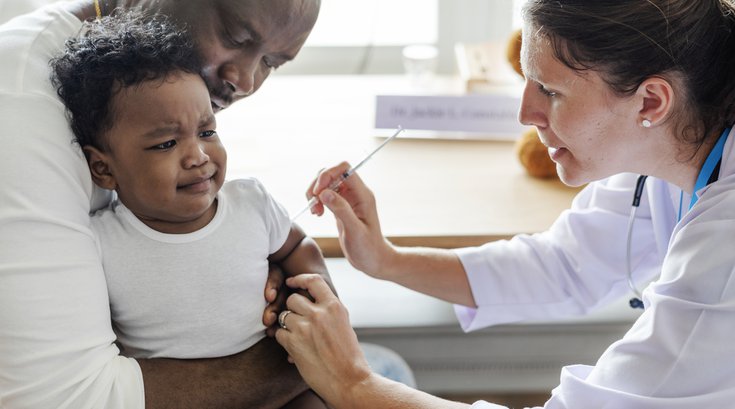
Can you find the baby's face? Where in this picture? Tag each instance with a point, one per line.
(166, 157)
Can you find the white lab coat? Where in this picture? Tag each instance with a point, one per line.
(680, 353)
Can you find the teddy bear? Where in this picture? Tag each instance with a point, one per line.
(532, 154)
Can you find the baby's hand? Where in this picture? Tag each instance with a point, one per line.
(275, 295)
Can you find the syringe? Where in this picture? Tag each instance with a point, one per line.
(337, 183)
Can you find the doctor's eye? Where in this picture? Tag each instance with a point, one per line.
(545, 91)
(208, 133)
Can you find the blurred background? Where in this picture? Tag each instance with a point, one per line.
(368, 37)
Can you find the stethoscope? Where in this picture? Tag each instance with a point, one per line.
(708, 174)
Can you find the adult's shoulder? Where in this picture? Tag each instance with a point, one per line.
(700, 254)
(10, 9)
(27, 44)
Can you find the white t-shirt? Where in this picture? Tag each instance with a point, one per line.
(196, 295)
(679, 353)
(56, 341)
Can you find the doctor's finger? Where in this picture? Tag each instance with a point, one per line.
(328, 176)
(317, 208)
(286, 339)
(310, 189)
(314, 284)
(342, 210)
(300, 305)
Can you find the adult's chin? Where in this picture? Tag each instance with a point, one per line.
(570, 177)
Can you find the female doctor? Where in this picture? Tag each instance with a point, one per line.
(614, 86)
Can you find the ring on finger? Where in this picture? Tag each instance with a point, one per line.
(282, 318)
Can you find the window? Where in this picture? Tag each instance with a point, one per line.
(349, 23)
(367, 37)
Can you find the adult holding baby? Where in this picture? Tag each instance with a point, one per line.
(56, 342)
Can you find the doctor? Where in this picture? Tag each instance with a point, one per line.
(615, 86)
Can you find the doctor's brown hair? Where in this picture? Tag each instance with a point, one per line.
(628, 41)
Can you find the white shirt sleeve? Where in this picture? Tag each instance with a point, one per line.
(276, 219)
(576, 266)
(678, 353)
(56, 341)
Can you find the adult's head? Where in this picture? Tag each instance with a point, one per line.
(242, 41)
(677, 56)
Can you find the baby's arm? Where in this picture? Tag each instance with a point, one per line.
(300, 254)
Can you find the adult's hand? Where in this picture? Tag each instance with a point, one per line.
(356, 213)
(321, 342)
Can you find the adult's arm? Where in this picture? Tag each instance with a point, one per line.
(259, 377)
(575, 266)
(325, 349)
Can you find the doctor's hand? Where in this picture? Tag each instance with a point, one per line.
(356, 214)
(319, 339)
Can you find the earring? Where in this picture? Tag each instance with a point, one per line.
(646, 123)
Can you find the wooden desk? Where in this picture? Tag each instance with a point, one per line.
(441, 193)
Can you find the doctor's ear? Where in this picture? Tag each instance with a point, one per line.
(99, 166)
(657, 95)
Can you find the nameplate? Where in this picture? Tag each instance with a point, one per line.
(473, 116)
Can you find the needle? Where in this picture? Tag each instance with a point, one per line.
(337, 183)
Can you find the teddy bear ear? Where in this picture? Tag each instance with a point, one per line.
(513, 51)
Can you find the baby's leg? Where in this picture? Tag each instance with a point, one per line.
(307, 400)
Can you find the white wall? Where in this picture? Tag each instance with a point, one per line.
(459, 20)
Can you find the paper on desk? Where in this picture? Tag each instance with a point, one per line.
(473, 116)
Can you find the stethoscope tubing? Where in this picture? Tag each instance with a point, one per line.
(636, 301)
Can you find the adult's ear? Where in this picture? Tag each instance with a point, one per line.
(99, 166)
(657, 95)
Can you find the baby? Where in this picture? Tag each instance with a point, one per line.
(185, 253)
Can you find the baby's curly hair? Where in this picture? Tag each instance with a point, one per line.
(116, 52)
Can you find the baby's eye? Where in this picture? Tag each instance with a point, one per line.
(163, 146)
(208, 134)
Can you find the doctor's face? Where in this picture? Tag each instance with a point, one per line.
(589, 131)
(243, 41)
